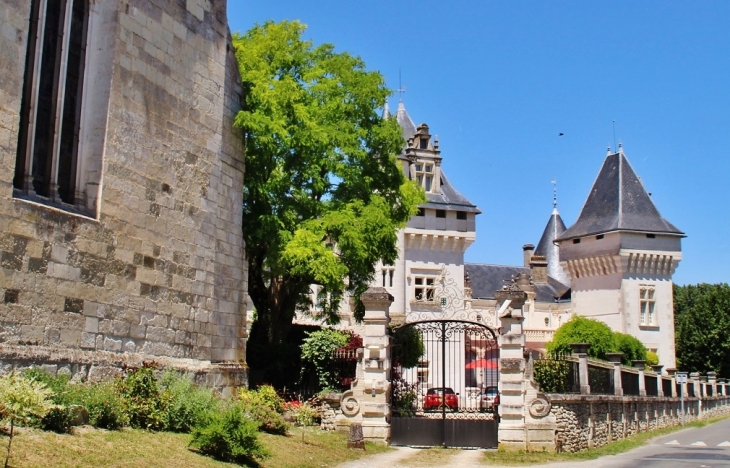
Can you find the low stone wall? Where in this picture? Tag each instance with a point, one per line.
(96, 366)
(589, 421)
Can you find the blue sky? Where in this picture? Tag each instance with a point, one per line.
(497, 82)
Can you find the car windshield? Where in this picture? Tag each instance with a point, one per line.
(439, 391)
(491, 391)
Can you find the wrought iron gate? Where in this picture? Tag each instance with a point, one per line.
(444, 381)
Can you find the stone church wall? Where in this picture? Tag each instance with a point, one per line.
(159, 271)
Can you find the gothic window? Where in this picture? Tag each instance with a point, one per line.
(424, 175)
(647, 306)
(424, 288)
(50, 114)
(388, 277)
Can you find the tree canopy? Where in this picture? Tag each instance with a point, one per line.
(324, 196)
(702, 328)
(603, 340)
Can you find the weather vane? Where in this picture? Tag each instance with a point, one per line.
(555, 193)
(401, 89)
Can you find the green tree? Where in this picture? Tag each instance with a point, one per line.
(633, 349)
(324, 196)
(318, 349)
(702, 328)
(583, 330)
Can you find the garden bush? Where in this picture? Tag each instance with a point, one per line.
(62, 415)
(318, 350)
(632, 348)
(552, 375)
(189, 405)
(264, 395)
(107, 407)
(230, 435)
(21, 401)
(306, 415)
(146, 402)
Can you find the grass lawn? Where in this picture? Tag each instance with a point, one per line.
(624, 445)
(136, 448)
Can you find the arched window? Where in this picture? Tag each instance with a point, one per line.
(48, 139)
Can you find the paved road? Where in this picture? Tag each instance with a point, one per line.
(707, 447)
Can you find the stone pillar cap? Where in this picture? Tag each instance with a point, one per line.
(614, 357)
(638, 363)
(580, 348)
(376, 294)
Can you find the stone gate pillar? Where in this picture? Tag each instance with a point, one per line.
(512, 430)
(367, 400)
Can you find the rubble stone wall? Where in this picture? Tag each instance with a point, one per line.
(590, 421)
(157, 270)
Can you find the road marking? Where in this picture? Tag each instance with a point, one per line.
(672, 442)
(724, 444)
(699, 443)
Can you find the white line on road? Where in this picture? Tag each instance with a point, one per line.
(724, 444)
(699, 443)
(672, 442)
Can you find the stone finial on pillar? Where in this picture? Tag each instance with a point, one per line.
(581, 351)
(615, 358)
(640, 364)
(657, 368)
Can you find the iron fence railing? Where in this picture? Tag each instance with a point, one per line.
(651, 385)
(600, 379)
(667, 387)
(557, 373)
(630, 382)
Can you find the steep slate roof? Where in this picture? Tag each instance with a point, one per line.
(618, 202)
(449, 198)
(547, 248)
(485, 279)
(405, 121)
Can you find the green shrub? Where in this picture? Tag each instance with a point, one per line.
(107, 407)
(265, 407)
(306, 415)
(21, 401)
(229, 435)
(267, 419)
(408, 347)
(189, 405)
(632, 348)
(583, 330)
(652, 359)
(146, 402)
(552, 375)
(61, 417)
(317, 351)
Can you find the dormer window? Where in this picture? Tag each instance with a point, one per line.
(424, 175)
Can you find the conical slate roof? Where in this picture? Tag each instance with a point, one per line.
(405, 121)
(547, 248)
(618, 202)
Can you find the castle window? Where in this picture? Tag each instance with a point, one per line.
(651, 236)
(424, 175)
(576, 241)
(424, 288)
(388, 277)
(461, 215)
(421, 212)
(647, 305)
(50, 115)
(440, 213)
(599, 237)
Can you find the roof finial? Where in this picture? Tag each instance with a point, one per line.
(620, 147)
(401, 89)
(555, 195)
(608, 150)
(386, 110)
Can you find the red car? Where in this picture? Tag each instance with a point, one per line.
(437, 397)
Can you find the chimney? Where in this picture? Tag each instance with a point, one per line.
(538, 267)
(527, 251)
